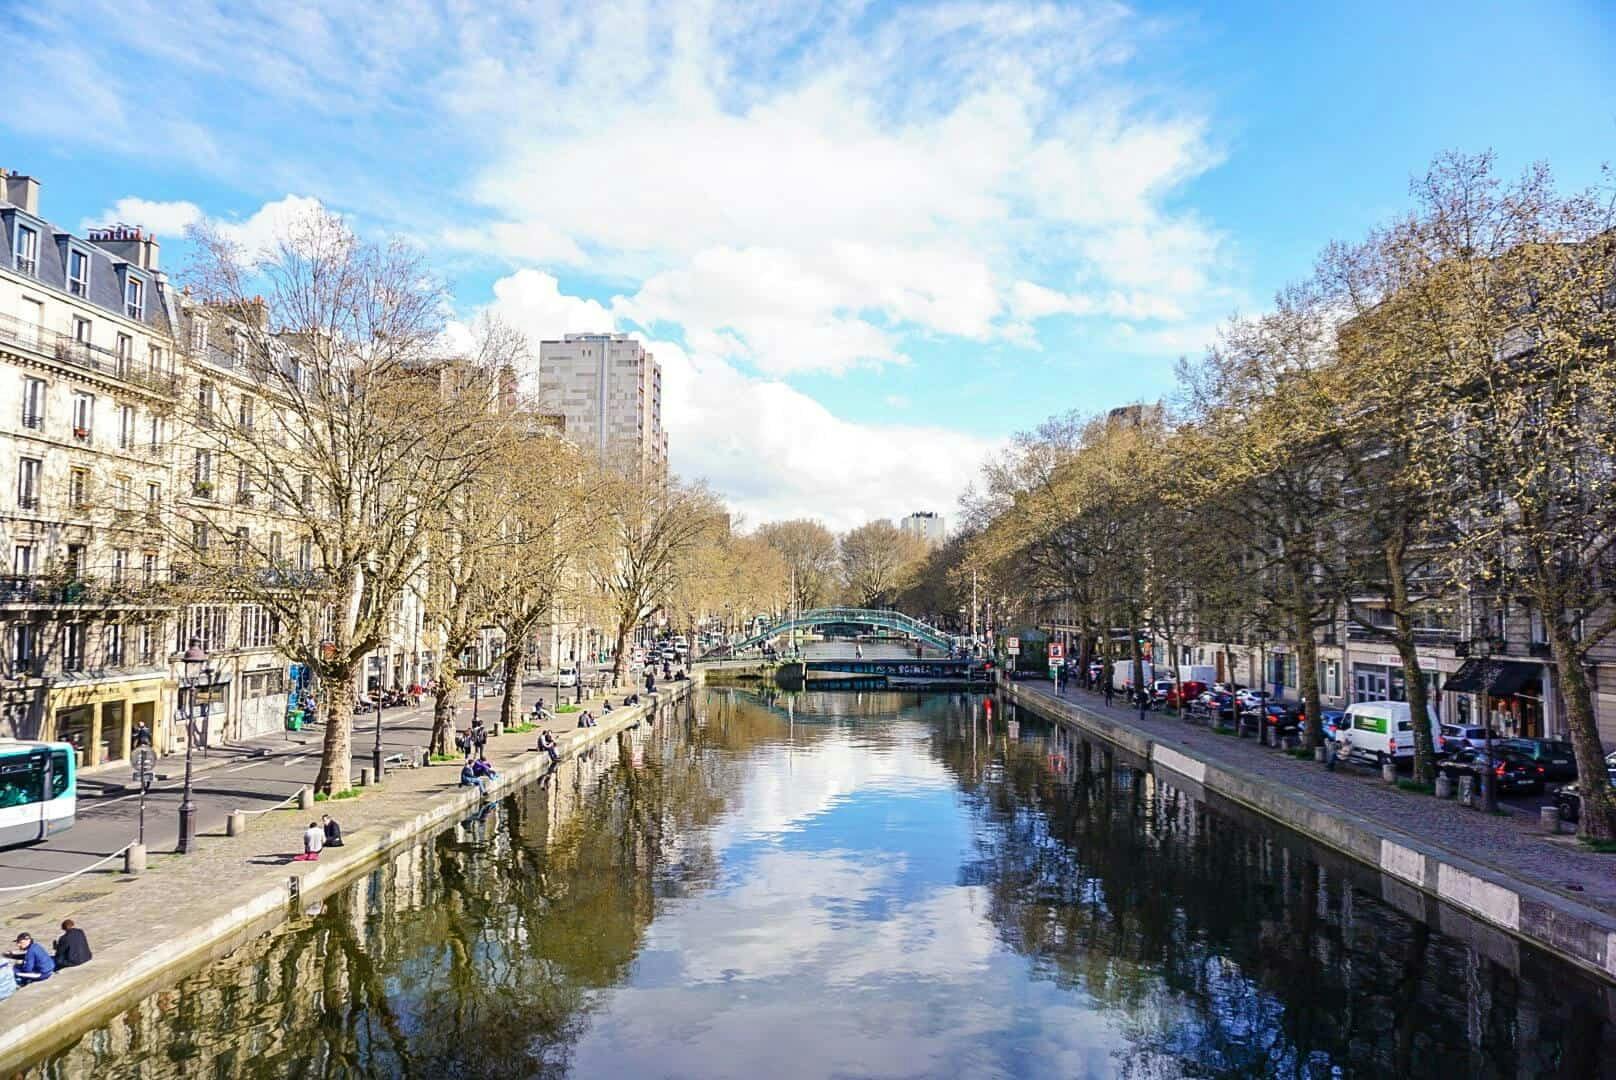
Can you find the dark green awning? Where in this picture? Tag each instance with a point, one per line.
(1495, 678)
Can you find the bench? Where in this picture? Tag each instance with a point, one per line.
(395, 760)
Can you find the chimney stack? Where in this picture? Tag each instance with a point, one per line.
(20, 190)
(128, 243)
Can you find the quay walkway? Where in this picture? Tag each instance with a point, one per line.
(187, 910)
(1550, 890)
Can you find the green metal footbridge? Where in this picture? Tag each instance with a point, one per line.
(895, 621)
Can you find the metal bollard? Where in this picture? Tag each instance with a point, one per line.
(1467, 791)
(236, 823)
(1444, 786)
(1549, 818)
(364, 777)
(134, 859)
(1321, 753)
(305, 798)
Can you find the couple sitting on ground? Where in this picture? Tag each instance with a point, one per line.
(318, 836)
(587, 719)
(476, 772)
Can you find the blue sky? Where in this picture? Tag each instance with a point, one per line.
(868, 241)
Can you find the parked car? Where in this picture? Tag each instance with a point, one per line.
(1380, 731)
(1568, 800)
(1451, 738)
(1185, 694)
(1250, 698)
(567, 675)
(1214, 705)
(1558, 759)
(1511, 771)
(1329, 718)
(1276, 718)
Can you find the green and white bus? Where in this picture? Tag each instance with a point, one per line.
(38, 790)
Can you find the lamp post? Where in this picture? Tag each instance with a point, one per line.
(194, 660)
(376, 753)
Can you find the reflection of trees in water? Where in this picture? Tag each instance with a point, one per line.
(473, 955)
(1238, 951)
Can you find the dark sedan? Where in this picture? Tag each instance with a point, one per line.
(1511, 771)
(1568, 800)
(1559, 761)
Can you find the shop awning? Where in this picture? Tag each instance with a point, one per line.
(1495, 678)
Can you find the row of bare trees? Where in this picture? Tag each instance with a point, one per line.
(342, 465)
(1422, 430)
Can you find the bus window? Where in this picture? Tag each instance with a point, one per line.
(59, 773)
(20, 780)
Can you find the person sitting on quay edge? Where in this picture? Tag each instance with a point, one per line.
(313, 841)
(469, 777)
(72, 948)
(547, 743)
(484, 768)
(34, 964)
(333, 831)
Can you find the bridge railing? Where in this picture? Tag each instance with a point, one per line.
(895, 620)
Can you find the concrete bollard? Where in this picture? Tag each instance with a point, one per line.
(1549, 818)
(499, 728)
(425, 757)
(1467, 791)
(1444, 786)
(364, 777)
(134, 859)
(1388, 772)
(236, 823)
(1321, 753)
(305, 798)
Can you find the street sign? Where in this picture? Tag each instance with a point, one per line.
(143, 766)
(1057, 652)
(1013, 646)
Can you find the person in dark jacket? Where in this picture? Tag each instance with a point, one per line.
(333, 831)
(72, 948)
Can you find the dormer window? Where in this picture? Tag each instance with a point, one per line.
(199, 335)
(78, 272)
(134, 297)
(27, 248)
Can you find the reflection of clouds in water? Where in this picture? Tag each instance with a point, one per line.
(780, 976)
(788, 786)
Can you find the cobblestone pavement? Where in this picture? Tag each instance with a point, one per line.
(1511, 843)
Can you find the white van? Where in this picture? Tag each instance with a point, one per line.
(1380, 731)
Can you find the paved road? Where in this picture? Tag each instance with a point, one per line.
(249, 776)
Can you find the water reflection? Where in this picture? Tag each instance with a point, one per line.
(871, 885)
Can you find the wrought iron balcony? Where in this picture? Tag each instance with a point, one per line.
(82, 354)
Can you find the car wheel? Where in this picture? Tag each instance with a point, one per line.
(1566, 811)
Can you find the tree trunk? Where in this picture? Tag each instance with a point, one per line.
(1413, 674)
(1307, 670)
(513, 688)
(442, 714)
(620, 659)
(1597, 819)
(336, 755)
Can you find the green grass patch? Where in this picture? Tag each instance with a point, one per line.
(568, 708)
(350, 793)
(1299, 753)
(1593, 843)
(520, 729)
(444, 757)
(1229, 731)
(1417, 786)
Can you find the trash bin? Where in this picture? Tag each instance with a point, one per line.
(294, 720)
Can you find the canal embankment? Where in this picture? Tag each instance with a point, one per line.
(1550, 891)
(185, 911)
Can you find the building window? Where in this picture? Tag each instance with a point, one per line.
(125, 349)
(24, 647)
(274, 549)
(120, 563)
(199, 335)
(148, 643)
(238, 346)
(199, 536)
(28, 472)
(257, 627)
(202, 477)
(134, 298)
(75, 561)
(244, 486)
(238, 546)
(33, 403)
(78, 273)
(112, 639)
(126, 427)
(78, 488)
(206, 623)
(83, 416)
(305, 554)
(27, 260)
(148, 567)
(154, 499)
(82, 330)
(73, 637)
(22, 560)
(245, 414)
(123, 493)
(156, 431)
(154, 359)
(204, 405)
(307, 490)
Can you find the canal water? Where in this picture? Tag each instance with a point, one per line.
(879, 884)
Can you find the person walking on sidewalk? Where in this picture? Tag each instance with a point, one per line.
(1109, 692)
(141, 736)
(479, 737)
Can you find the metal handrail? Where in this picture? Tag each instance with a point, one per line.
(895, 620)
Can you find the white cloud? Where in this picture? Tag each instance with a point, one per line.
(168, 220)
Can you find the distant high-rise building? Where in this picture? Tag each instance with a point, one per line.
(927, 525)
(609, 389)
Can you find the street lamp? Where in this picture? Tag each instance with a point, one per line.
(376, 753)
(194, 661)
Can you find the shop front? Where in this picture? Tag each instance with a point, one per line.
(97, 716)
(1509, 695)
